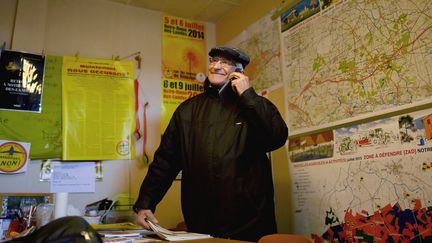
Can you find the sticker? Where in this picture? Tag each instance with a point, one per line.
(200, 77)
(123, 147)
(13, 157)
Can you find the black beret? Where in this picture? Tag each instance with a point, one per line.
(231, 53)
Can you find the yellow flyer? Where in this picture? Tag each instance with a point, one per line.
(98, 109)
(184, 62)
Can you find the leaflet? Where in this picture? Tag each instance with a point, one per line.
(175, 235)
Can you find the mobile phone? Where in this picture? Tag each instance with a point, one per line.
(239, 69)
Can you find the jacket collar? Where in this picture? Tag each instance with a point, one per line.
(225, 94)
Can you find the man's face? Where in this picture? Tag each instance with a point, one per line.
(219, 69)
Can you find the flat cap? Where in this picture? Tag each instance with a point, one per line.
(231, 53)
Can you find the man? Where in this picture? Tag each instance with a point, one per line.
(219, 140)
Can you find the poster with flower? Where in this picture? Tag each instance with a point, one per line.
(184, 63)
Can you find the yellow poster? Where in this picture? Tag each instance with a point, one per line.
(184, 63)
(175, 92)
(98, 109)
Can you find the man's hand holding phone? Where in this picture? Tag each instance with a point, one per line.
(239, 81)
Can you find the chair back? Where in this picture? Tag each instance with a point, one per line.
(284, 238)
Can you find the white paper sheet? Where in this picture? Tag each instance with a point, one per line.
(73, 177)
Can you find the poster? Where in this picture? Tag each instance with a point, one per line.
(98, 109)
(42, 129)
(367, 182)
(184, 63)
(21, 81)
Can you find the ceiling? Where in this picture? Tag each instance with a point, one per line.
(201, 10)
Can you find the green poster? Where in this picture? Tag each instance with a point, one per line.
(42, 130)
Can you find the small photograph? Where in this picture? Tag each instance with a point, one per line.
(301, 11)
(415, 130)
(311, 147)
(328, 3)
(372, 135)
(425, 123)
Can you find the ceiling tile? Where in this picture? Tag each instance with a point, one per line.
(202, 10)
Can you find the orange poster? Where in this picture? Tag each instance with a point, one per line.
(184, 63)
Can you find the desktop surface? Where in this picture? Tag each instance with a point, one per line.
(211, 240)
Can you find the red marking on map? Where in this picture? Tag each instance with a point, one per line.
(389, 224)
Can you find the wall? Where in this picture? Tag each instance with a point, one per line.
(281, 175)
(227, 28)
(7, 17)
(239, 18)
(97, 29)
(101, 29)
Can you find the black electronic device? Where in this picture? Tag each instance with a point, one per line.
(103, 204)
(239, 69)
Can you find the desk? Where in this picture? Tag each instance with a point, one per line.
(208, 240)
(128, 226)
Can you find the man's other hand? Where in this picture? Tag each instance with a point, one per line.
(142, 214)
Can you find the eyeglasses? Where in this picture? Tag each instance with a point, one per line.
(224, 62)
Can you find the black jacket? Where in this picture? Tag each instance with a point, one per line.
(219, 141)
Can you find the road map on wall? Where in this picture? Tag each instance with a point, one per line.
(357, 58)
(261, 41)
(365, 183)
(362, 181)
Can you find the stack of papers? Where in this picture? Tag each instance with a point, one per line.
(118, 240)
(120, 233)
(123, 233)
(117, 226)
(175, 235)
(127, 240)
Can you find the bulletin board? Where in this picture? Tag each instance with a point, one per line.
(104, 93)
(42, 130)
